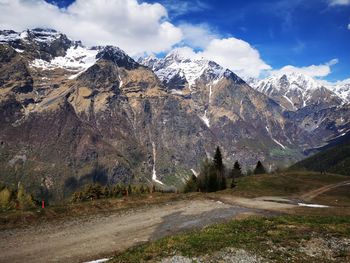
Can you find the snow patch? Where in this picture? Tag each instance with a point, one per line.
(154, 173)
(176, 92)
(120, 81)
(194, 172)
(98, 260)
(290, 101)
(205, 119)
(280, 144)
(77, 59)
(312, 205)
(269, 132)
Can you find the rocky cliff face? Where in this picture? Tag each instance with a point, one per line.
(71, 115)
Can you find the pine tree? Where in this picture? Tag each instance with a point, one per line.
(220, 171)
(259, 169)
(218, 160)
(235, 173)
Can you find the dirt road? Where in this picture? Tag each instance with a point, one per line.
(312, 194)
(79, 240)
(99, 236)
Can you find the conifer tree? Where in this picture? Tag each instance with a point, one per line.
(259, 169)
(235, 173)
(218, 160)
(220, 178)
(236, 170)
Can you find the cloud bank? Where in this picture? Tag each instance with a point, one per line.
(338, 2)
(317, 71)
(135, 27)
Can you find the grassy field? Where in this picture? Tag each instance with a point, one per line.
(276, 239)
(305, 235)
(283, 184)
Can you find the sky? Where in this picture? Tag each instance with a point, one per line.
(253, 38)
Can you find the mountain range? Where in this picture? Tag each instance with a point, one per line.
(70, 114)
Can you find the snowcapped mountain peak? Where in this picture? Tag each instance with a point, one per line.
(42, 35)
(342, 89)
(293, 81)
(177, 65)
(37, 35)
(117, 56)
(295, 90)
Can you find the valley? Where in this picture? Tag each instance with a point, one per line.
(128, 134)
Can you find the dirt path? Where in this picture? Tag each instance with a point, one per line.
(79, 240)
(312, 194)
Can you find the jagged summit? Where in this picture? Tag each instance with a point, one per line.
(342, 89)
(296, 90)
(177, 69)
(36, 34)
(48, 49)
(117, 56)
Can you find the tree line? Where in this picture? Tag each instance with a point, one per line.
(213, 175)
(97, 191)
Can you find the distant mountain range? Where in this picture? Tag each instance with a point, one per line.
(294, 91)
(71, 114)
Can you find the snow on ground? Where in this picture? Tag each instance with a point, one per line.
(120, 81)
(280, 144)
(154, 173)
(176, 92)
(269, 132)
(194, 172)
(205, 119)
(77, 59)
(312, 205)
(99, 260)
(176, 63)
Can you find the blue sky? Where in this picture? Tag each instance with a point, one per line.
(294, 32)
(310, 35)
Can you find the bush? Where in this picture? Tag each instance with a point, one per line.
(191, 185)
(25, 200)
(96, 191)
(5, 198)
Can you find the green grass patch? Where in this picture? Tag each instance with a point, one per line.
(283, 184)
(261, 236)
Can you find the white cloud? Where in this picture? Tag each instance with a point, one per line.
(338, 2)
(321, 70)
(349, 26)
(182, 7)
(197, 36)
(135, 27)
(237, 55)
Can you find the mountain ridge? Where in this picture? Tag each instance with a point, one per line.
(87, 114)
